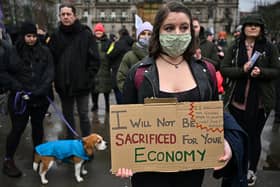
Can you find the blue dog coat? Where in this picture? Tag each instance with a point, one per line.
(62, 149)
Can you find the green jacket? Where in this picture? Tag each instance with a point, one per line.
(130, 58)
(269, 64)
(103, 78)
(209, 51)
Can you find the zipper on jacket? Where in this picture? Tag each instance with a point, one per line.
(151, 82)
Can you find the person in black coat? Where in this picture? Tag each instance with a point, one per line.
(76, 63)
(27, 72)
(122, 46)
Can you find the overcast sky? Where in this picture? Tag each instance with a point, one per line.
(248, 5)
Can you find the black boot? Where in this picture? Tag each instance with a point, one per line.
(10, 169)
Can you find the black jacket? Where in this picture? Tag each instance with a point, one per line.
(150, 85)
(28, 69)
(75, 57)
(234, 174)
(268, 62)
(122, 46)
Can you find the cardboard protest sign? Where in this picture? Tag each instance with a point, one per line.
(166, 136)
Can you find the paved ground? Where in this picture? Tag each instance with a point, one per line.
(99, 169)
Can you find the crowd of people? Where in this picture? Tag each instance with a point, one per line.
(79, 63)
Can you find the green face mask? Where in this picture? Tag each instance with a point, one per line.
(174, 45)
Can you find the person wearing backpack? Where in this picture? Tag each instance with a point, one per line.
(138, 51)
(171, 70)
(250, 67)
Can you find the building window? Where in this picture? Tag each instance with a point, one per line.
(123, 16)
(197, 11)
(102, 15)
(113, 16)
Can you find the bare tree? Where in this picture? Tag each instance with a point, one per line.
(271, 13)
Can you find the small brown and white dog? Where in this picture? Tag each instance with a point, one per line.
(75, 150)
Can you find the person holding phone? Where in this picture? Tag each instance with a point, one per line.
(249, 88)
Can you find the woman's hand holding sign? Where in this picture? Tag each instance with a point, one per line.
(124, 173)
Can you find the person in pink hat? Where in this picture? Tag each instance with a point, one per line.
(103, 79)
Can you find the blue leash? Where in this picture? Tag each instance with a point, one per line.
(61, 116)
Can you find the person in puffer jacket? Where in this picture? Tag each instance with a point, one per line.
(27, 72)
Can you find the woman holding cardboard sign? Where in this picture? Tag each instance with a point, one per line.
(171, 71)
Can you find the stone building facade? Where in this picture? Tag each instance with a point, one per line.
(215, 15)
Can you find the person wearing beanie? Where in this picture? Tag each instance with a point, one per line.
(251, 65)
(146, 26)
(209, 36)
(76, 63)
(99, 27)
(103, 78)
(28, 34)
(28, 28)
(27, 73)
(138, 52)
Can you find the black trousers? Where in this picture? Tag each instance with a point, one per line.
(175, 179)
(277, 104)
(95, 96)
(36, 113)
(254, 133)
(68, 103)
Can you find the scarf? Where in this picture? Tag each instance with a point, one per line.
(252, 104)
(65, 36)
